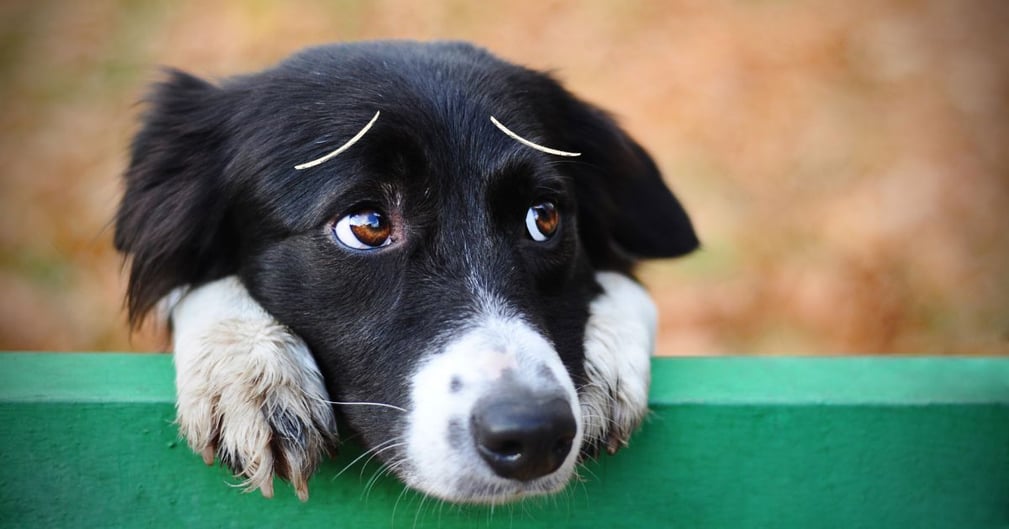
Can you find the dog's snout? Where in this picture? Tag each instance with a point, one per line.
(523, 437)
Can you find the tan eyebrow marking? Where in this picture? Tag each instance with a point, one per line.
(341, 149)
(528, 143)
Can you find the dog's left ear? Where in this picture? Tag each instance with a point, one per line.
(620, 190)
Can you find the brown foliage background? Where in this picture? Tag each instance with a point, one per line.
(846, 163)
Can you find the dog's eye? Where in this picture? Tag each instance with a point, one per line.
(363, 230)
(542, 220)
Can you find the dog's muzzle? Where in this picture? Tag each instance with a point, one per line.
(494, 417)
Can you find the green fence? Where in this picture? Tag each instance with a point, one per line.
(87, 440)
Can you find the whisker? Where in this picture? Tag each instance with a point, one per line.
(396, 505)
(378, 447)
(376, 452)
(602, 418)
(583, 479)
(420, 509)
(372, 481)
(379, 404)
(383, 471)
(594, 384)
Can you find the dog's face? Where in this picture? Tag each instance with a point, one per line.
(438, 264)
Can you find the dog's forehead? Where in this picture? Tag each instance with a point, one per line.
(428, 123)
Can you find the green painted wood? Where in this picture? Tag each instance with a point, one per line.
(87, 440)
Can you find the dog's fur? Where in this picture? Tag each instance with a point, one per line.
(461, 316)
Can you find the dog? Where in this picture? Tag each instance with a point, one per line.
(425, 241)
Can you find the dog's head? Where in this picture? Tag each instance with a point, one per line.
(432, 258)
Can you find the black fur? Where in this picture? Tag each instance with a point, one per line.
(211, 190)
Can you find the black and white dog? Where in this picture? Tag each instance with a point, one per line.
(422, 239)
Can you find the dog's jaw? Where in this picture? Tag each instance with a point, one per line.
(248, 389)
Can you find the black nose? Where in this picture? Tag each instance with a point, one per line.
(523, 437)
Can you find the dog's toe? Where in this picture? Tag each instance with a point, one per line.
(251, 394)
(304, 430)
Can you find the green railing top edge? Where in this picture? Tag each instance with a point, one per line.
(857, 380)
(86, 377)
(126, 377)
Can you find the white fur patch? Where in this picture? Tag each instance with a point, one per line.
(619, 340)
(442, 459)
(248, 389)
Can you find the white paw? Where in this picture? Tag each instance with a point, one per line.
(248, 389)
(619, 339)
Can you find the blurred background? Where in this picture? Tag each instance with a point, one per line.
(846, 163)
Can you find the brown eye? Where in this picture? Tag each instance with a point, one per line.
(542, 220)
(363, 230)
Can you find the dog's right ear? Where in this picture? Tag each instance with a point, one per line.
(171, 222)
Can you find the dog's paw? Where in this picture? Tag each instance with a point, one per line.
(619, 339)
(248, 389)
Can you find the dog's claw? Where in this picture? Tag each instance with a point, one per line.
(301, 489)
(266, 488)
(614, 443)
(208, 454)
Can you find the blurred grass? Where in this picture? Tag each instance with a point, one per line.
(846, 163)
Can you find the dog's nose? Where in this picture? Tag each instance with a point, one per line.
(523, 437)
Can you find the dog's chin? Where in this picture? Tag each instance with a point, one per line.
(464, 478)
(485, 489)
